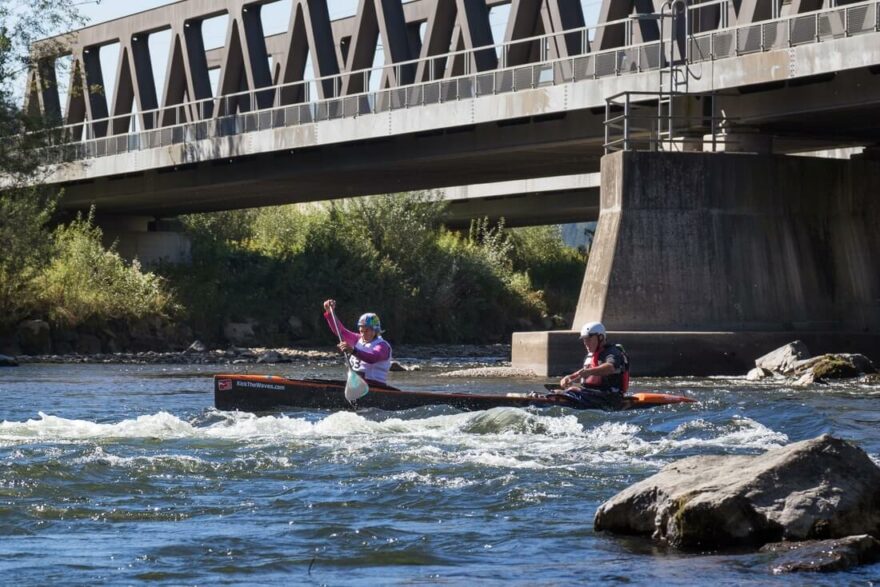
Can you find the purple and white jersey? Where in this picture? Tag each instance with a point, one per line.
(370, 359)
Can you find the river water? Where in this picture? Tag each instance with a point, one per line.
(121, 474)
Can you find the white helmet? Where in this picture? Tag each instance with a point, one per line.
(592, 328)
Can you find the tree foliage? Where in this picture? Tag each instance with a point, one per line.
(25, 207)
(21, 25)
(24, 249)
(388, 254)
(552, 267)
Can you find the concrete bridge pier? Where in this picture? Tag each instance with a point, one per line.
(702, 262)
(147, 239)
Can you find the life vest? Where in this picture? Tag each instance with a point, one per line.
(618, 381)
(377, 371)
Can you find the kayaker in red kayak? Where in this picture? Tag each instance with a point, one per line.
(369, 353)
(604, 377)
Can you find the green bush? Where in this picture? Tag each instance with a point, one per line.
(281, 232)
(222, 227)
(387, 254)
(553, 267)
(84, 281)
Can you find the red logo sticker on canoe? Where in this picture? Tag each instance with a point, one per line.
(224, 384)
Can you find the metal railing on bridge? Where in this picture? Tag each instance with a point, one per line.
(648, 120)
(814, 27)
(633, 122)
(245, 112)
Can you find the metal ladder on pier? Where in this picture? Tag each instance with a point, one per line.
(674, 77)
(666, 126)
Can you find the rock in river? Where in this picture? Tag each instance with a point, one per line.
(815, 489)
(783, 359)
(824, 555)
(794, 361)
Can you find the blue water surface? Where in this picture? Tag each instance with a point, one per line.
(122, 474)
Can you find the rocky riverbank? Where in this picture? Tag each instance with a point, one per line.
(198, 354)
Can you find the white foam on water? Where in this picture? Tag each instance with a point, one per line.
(428, 479)
(99, 456)
(741, 432)
(502, 438)
(537, 496)
(561, 443)
(160, 425)
(492, 459)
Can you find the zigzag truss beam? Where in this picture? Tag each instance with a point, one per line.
(412, 40)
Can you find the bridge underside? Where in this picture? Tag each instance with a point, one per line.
(529, 148)
(548, 200)
(488, 170)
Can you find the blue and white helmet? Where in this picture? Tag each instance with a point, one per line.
(370, 320)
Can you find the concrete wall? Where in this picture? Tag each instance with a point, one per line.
(735, 242)
(149, 241)
(154, 247)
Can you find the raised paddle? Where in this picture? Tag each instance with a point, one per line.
(355, 386)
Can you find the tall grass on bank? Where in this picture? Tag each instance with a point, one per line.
(85, 282)
(388, 254)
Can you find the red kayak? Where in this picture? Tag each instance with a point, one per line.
(260, 393)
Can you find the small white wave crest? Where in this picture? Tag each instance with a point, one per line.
(740, 432)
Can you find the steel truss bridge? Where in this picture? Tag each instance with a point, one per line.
(450, 106)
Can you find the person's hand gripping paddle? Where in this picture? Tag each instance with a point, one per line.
(355, 385)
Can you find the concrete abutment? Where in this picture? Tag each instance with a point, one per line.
(702, 262)
(146, 239)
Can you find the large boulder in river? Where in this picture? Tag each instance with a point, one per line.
(7, 361)
(815, 489)
(832, 366)
(783, 359)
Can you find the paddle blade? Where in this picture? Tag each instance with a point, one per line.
(355, 387)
